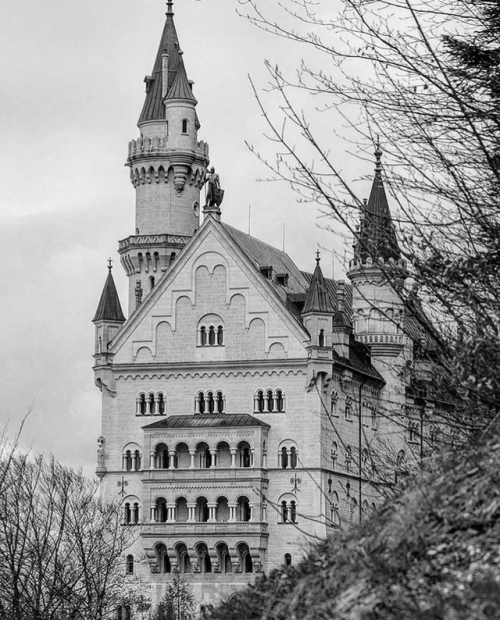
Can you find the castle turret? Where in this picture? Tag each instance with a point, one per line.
(107, 320)
(167, 168)
(377, 273)
(317, 315)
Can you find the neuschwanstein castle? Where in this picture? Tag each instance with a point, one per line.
(242, 396)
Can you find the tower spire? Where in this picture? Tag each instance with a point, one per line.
(170, 7)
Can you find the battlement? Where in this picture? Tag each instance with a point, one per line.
(159, 146)
(357, 263)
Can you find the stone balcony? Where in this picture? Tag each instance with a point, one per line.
(219, 474)
(227, 528)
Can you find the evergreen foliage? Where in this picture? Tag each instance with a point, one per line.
(177, 602)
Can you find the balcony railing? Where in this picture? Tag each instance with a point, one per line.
(219, 527)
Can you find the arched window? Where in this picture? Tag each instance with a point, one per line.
(287, 559)
(128, 460)
(260, 401)
(220, 335)
(284, 457)
(334, 455)
(202, 510)
(413, 432)
(137, 460)
(293, 512)
(162, 461)
(205, 457)
(151, 283)
(135, 513)
(219, 402)
(129, 565)
(245, 558)
(279, 400)
(211, 335)
(244, 511)
(203, 336)
(284, 512)
(184, 125)
(142, 404)
(321, 338)
(348, 458)
(152, 404)
(161, 404)
(210, 402)
(161, 510)
(270, 400)
(172, 257)
(200, 401)
(293, 458)
(245, 454)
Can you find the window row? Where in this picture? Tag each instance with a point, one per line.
(269, 401)
(351, 411)
(151, 404)
(211, 336)
(181, 456)
(202, 559)
(211, 401)
(201, 510)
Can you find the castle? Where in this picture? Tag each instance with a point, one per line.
(242, 398)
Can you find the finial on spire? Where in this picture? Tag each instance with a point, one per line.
(170, 5)
(110, 264)
(317, 257)
(378, 155)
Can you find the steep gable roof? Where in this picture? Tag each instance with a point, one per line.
(181, 88)
(109, 308)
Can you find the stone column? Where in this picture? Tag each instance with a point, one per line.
(197, 404)
(264, 512)
(266, 403)
(148, 406)
(211, 514)
(252, 457)
(134, 460)
(171, 513)
(124, 462)
(232, 512)
(191, 512)
(256, 403)
(152, 511)
(250, 505)
(171, 459)
(152, 459)
(213, 454)
(233, 457)
(192, 454)
(289, 454)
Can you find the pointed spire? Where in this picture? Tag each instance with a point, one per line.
(109, 308)
(181, 88)
(377, 234)
(318, 298)
(170, 7)
(153, 108)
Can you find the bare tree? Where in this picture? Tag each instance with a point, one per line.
(60, 545)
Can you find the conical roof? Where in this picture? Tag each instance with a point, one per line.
(181, 88)
(318, 299)
(153, 108)
(377, 234)
(109, 308)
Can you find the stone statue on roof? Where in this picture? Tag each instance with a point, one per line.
(215, 194)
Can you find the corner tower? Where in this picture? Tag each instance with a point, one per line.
(378, 273)
(167, 168)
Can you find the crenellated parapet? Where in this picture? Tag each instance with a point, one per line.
(159, 146)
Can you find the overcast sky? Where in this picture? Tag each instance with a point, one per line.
(71, 80)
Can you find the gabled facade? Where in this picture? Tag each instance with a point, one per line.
(241, 398)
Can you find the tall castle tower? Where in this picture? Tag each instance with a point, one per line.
(167, 168)
(378, 273)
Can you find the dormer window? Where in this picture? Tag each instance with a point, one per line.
(184, 125)
(267, 272)
(282, 278)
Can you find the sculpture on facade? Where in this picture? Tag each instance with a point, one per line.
(215, 194)
(100, 451)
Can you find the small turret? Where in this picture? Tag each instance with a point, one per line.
(107, 320)
(318, 310)
(167, 167)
